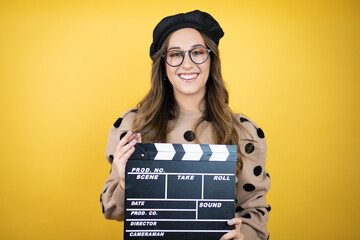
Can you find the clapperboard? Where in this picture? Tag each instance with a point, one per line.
(179, 191)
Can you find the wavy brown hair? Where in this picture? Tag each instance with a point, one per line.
(159, 105)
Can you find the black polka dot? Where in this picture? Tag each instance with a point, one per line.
(249, 187)
(260, 133)
(257, 170)
(189, 136)
(247, 215)
(118, 122)
(268, 237)
(249, 148)
(243, 119)
(236, 201)
(239, 209)
(104, 191)
(122, 135)
(111, 157)
(261, 211)
(259, 197)
(102, 206)
(267, 174)
(134, 110)
(268, 208)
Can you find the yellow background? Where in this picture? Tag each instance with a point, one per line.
(69, 68)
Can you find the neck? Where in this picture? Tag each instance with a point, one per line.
(190, 103)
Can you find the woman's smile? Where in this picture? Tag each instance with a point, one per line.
(188, 77)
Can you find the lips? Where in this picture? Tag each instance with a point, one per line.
(188, 76)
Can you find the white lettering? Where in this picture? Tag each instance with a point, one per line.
(210, 205)
(138, 213)
(147, 234)
(147, 177)
(134, 223)
(221, 178)
(153, 213)
(141, 170)
(186, 177)
(137, 203)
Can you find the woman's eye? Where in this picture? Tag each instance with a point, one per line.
(174, 54)
(197, 52)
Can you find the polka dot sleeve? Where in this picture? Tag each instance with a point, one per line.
(253, 182)
(112, 196)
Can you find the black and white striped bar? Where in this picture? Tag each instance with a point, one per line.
(190, 152)
(190, 195)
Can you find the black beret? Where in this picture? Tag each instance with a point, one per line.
(198, 20)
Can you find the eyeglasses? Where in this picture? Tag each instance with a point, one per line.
(176, 57)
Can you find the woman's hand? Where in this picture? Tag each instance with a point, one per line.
(234, 234)
(123, 151)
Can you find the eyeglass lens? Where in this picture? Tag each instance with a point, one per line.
(176, 57)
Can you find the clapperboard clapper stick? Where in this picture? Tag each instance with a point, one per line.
(179, 191)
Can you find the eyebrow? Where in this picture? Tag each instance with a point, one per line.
(193, 46)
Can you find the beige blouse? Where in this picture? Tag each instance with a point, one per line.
(253, 182)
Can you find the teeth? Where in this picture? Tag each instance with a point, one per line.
(188, 76)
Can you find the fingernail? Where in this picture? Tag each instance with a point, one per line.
(137, 134)
(230, 222)
(133, 141)
(220, 238)
(132, 148)
(128, 132)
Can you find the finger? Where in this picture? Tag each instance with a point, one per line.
(229, 235)
(123, 161)
(123, 141)
(138, 137)
(126, 148)
(127, 155)
(237, 226)
(235, 221)
(239, 236)
(133, 136)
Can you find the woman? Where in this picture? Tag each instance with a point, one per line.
(188, 103)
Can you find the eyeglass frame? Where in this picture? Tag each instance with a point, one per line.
(183, 55)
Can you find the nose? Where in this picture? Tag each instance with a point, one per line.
(187, 63)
